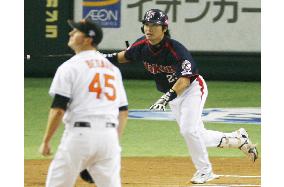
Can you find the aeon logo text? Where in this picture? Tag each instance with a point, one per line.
(103, 15)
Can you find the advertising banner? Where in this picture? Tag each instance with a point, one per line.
(106, 13)
(46, 28)
(201, 25)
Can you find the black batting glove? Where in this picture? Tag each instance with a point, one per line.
(161, 104)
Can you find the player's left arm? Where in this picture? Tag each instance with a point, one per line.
(123, 106)
(181, 84)
(122, 118)
(185, 70)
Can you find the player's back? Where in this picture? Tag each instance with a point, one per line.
(96, 86)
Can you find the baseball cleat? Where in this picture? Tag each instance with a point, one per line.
(250, 150)
(201, 178)
(253, 154)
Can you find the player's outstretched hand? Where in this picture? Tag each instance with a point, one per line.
(160, 105)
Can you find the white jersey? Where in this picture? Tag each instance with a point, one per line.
(93, 84)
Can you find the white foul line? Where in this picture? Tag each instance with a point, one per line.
(232, 185)
(239, 176)
(228, 185)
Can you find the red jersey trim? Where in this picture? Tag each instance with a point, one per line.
(139, 42)
(167, 45)
(200, 84)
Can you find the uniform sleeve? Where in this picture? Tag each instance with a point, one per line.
(186, 67)
(133, 53)
(121, 91)
(61, 83)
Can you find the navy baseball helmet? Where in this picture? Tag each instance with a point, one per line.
(155, 16)
(90, 28)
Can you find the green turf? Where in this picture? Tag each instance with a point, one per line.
(143, 138)
(152, 138)
(142, 94)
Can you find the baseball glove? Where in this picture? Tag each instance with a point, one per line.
(85, 175)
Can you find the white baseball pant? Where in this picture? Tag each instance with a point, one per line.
(187, 109)
(96, 148)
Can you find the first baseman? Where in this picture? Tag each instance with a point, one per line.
(90, 98)
(184, 89)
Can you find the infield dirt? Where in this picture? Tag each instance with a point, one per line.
(162, 172)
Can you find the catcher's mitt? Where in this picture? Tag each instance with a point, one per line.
(85, 175)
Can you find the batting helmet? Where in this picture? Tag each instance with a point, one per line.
(155, 16)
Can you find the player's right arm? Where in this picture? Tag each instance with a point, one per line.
(131, 54)
(54, 119)
(61, 91)
(55, 116)
(116, 58)
(121, 57)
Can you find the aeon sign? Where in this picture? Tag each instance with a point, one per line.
(106, 13)
(103, 15)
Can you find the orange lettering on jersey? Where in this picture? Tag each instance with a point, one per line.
(95, 85)
(109, 85)
(99, 64)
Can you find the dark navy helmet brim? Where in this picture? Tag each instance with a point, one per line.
(153, 21)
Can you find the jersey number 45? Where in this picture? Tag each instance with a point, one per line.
(96, 86)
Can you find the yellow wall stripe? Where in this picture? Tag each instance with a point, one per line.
(101, 3)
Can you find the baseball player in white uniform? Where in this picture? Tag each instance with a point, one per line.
(90, 98)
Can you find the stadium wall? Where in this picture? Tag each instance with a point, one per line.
(212, 66)
(228, 54)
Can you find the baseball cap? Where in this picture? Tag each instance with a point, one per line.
(89, 27)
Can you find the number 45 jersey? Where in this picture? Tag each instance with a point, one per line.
(166, 61)
(93, 84)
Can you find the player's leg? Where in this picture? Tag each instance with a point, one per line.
(60, 172)
(67, 163)
(239, 139)
(107, 164)
(106, 173)
(236, 139)
(191, 133)
(188, 110)
(190, 130)
(214, 138)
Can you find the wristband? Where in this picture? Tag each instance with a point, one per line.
(172, 94)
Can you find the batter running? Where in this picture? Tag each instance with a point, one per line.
(176, 75)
